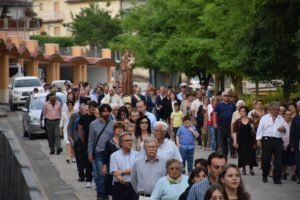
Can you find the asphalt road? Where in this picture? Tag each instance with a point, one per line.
(59, 179)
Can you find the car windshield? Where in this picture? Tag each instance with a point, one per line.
(27, 83)
(37, 103)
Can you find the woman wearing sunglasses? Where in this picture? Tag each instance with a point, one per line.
(142, 131)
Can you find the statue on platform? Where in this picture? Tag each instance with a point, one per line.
(127, 63)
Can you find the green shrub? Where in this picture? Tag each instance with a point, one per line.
(62, 41)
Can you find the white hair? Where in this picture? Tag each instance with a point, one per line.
(164, 126)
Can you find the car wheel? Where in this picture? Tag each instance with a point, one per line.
(12, 106)
(25, 133)
(31, 137)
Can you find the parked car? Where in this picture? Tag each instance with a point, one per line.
(21, 88)
(32, 111)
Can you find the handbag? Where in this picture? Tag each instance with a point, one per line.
(98, 137)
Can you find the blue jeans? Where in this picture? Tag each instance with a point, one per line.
(187, 155)
(297, 156)
(212, 134)
(99, 177)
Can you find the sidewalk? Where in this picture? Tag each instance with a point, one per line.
(68, 172)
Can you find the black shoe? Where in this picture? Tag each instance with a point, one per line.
(68, 160)
(81, 180)
(233, 155)
(265, 179)
(298, 182)
(52, 152)
(58, 151)
(278, 182)
(294, 178)
(252, 172)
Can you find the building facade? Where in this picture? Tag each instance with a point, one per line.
(56, 14)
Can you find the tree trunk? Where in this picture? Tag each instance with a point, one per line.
(237, 82)
(286, 92)
(217, 83)
(222, 82)
(256, 88)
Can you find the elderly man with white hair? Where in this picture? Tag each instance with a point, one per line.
(167, 148)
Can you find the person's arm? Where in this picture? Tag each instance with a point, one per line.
(114, 170)
(192, 193)
(292, 134)
(194, 132)
(81, 133)
(105, 159)
(177, 141)
(215, 120)
(61, 124)
(91, 142)
(193, 113)
(70, 126)
(133, 177)
(259, 132)
(176, 153)
(234, 134)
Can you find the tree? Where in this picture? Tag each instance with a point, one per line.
(94, 26)
(269, 49)
(164, 35)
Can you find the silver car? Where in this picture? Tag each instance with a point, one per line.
(32, 113)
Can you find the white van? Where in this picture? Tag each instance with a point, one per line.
(15, 70)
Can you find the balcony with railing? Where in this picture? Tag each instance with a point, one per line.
(52, 16)
(26, 24)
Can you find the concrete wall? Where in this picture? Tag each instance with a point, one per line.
(16, 177)
(97, 74)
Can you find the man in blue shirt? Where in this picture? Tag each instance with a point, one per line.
(222, 120)
(185, 138)
(215, 165)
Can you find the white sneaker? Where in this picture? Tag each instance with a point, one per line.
(88, 185)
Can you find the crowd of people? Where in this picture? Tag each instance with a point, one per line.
(141, 146)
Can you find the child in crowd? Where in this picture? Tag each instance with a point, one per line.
(176, 118)
(185, 137)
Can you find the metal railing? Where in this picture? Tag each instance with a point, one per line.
(52, 16)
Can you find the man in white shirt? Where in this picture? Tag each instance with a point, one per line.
(112, 98)
(269, 138)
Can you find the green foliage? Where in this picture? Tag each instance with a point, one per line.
(94, 26)
(256, 39)
(268, 50)
(62, 41)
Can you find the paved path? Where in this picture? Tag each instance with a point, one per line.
(59, 179)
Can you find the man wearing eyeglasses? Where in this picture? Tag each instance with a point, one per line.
(121, 163)
(222, 120)
(148, 170)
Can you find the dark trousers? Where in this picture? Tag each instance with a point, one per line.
(52, 127)
(123, 192)
(79, 154)
(272, 146)
(224, 136)
(297, 157)
(87, 164)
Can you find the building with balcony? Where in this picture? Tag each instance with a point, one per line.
(17, 18)
(57, 13)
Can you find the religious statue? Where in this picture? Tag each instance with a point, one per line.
(127, 62)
